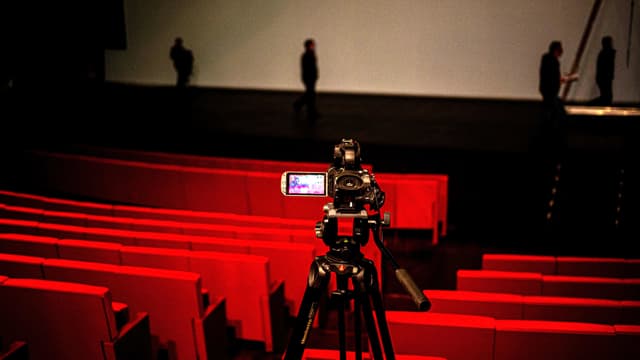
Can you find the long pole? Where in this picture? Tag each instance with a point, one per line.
(630, 32)
(583, 44)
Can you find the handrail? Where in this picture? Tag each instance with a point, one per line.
(583, 43)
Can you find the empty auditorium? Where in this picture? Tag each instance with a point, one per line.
(334, 180)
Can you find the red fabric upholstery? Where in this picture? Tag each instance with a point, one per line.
(22, 213)
(242, 279)
(442, 191)
(591, 266)
(287, 262)
(75, 314)
(21, 266)
(627, 339)
(632, 268)
(64, 217)
(583, 286)
(496, 305)
(30, 245)
(631, 289)
(515, 262)
(172, 298)
(571, 309)
(630, 312)
(451, 336)
(527, 339)
(522, 283)
(18, 226)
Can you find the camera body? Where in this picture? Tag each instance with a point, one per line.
(350, 186)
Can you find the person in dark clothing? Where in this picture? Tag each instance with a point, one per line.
(309, 78)
(182, 61)
(605, 71)
(554, 122)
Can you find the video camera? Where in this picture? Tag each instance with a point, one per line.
(350, 186)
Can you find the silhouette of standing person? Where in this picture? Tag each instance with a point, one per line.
(182, 61)
(309, 77)
(605, 71)
(554, 115)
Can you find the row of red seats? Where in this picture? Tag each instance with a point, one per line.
(289, 262)
(415, 201)
(185, 320)
(255, 302)
(183, 232)
(508, 306)
(217, 162)
(469, 337)
(528, 283)
(563, 265)
(514, 313)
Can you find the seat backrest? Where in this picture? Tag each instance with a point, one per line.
(94, 251)
(58, 320)
(452, 336)
(21, 266)
(242, 279)
(172, 298)
(30, 245)
(531, 339)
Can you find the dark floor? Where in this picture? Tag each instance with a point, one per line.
(499, 186)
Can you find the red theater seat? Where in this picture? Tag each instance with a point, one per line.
(513, 307)
(522, 283)
(495, 305)
(515, 262)
(627, 340)
(3, 279)
(288, 262)
(632, 268)
(242, 279)
(65, 217)
(442, 196)
(591, 266)
(452, 336)
(78, 323)
(93, 251)
(30, 245)
(21, 266)
(22, 213)
(583, 287)
(527, 339)
(18, 226)
(571, 309)
(630, 312)
(631, 289)
(172, 299)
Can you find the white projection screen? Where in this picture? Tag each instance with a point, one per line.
(453, 48)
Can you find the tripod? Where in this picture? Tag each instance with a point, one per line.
(345, 260)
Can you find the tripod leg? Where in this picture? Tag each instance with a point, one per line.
(342, 302)
(357, 323)
(372, 332)
(316, 284)
(374, 292)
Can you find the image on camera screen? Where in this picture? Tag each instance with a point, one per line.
(307, 184)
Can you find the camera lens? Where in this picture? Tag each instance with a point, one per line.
(349, 182)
